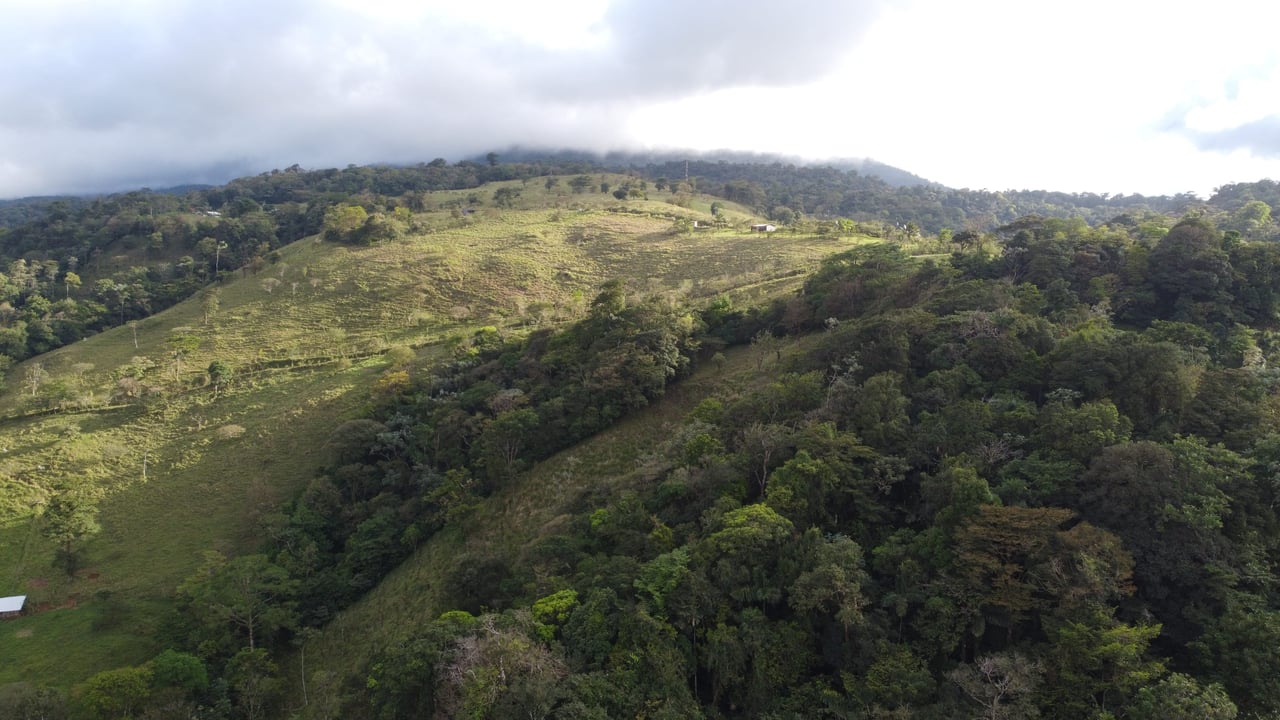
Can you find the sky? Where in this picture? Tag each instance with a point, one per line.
(1099, 96)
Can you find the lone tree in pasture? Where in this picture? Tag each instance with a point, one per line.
(182, 343)
(342, 222)
(220, 375)
(766, 343)
(68, 521)
(505, 197)
(79, 369)
(35, 377)
(210, 301)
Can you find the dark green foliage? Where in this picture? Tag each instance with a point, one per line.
(220, 375)
(1045, 537)
(1240, 650)
(1191, 272)
(1168, 504)
(1027, 482)
(858, 282)
(172, 669)
(68, 520)
(115, 693)
(1180, 697)
(245, 601)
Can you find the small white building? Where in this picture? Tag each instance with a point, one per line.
(11, 606)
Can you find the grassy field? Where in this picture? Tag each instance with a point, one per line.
(179, 469)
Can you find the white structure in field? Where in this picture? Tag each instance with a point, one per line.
(12, 606)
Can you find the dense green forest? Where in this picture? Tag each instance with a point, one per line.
(1029, 475)
(1031, 483)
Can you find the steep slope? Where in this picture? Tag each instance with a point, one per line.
(514, 519)
(967, 492)
(130, 421)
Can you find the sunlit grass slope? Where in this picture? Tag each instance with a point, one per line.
(178, 468)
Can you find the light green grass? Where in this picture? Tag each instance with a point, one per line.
(214, 465)
(32, 648)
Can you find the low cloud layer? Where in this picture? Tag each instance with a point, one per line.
(1240, 115)
(1260, 138)
(99, 97)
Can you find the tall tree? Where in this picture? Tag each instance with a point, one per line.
(248, 596)
(68, 520)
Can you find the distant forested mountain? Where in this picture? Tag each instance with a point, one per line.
(24, 210)
(675, 161)
(865, 190)
(779, 190)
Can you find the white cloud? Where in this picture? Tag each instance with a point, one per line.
(1089, 96)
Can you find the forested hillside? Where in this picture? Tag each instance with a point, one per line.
(1032, 483)
(128, 456)
(1021, 466)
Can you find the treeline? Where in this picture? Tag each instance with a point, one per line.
(782, 190)
(25, 210)
(826, 192)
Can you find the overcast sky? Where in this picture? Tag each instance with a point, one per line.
(1092, 95)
